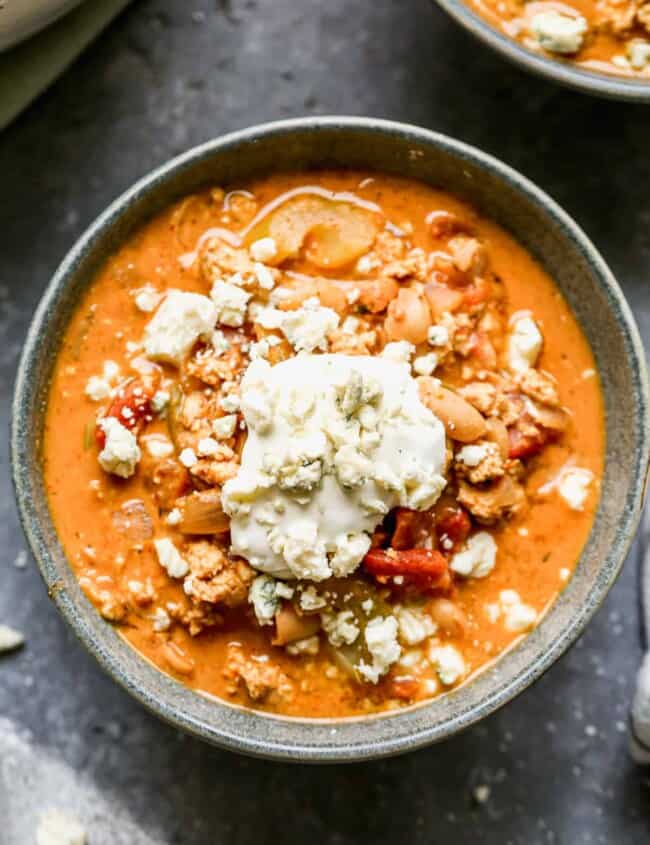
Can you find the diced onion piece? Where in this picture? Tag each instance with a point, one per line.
(290, 626)
(334, 233)
(202, 514)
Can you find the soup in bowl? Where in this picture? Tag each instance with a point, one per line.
(338, 436)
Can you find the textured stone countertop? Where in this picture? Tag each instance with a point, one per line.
(166, 75)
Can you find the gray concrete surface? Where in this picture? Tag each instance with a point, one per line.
(167, 75)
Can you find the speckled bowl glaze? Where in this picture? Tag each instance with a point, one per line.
(607, 85)
(537, 222)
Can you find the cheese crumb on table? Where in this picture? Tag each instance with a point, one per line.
(58, 828)
(10, 638)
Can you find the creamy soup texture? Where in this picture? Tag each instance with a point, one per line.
(337, 442)
(600, 35)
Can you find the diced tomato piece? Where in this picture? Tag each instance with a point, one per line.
(529, 444)
(421, 563)
(455, 524)
(410, 528)
(404, 688)
(131, 405)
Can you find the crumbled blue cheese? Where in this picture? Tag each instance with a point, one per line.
(224, 427)
(264, 249)
(381, 639)
(207, 447)
(306, 328)
(414, 625)
(230, 403)
(638, 54)
(170, 558)
(158, 446)
(230, 302)
(524, 343)
(101, 387)
(448, 662)
(424, 365)
(178, 323)
(558, 32)
(263, 596)
(472, 455)
(334, 443)
(341, 628)
(573, 486)
(399, 351)
(517, 616)
(147, 298)
(188, 457)
(438, 335)
(160, 400)
(121, 452)
(310, 600)
(478, 558)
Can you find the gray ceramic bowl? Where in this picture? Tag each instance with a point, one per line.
(589, 82)
(537, 222)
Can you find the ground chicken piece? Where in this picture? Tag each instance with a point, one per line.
(345, 343)
(482, 395)
(463, 340)
(214, 577)
(215, 473)
(540, 386)
(195, 617)
(468, 254)
(388, 247)
(196, 409)
(260, 678)
(220, 261)
(489, 469)
(502, 499)
(412, 266)
(213, 367)
(168, 478)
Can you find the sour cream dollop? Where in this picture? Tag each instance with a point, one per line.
(334, 443)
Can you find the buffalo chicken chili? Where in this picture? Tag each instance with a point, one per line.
(610, 36)
(336, 439)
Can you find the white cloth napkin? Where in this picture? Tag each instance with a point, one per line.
(26, 70)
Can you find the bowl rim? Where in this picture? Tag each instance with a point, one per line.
(365, 748)
(586, 81)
